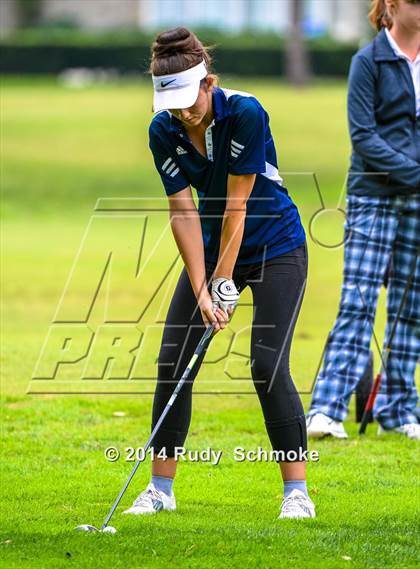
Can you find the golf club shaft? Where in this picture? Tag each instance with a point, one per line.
(205, 340)
(368, 412)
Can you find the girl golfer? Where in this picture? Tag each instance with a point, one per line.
(246, 232)
(382, 230)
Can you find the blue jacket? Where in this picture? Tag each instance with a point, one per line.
(384, 128)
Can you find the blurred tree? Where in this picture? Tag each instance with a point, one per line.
(28, 11)
(297, 64)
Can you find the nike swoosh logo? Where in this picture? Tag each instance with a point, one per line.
(164, 84)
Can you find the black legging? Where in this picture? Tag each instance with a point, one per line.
(277, 287)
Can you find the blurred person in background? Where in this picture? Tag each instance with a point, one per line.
(382, 229)
(219, 141)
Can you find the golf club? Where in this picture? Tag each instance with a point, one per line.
(202, 345)
(368, 412)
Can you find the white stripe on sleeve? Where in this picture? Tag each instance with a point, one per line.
(237, 145)
(166, 163)
(170, 168)
(174, 173)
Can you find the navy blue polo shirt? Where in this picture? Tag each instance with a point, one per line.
(238, 141)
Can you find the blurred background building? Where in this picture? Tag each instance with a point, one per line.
(296, 39)
(343, 20)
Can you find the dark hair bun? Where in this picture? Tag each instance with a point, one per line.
(176, 50)
(176, 41)
(174, 35)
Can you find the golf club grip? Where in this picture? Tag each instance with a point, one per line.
(368, 412)
(202, 345)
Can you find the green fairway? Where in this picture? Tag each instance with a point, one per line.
(62, 151)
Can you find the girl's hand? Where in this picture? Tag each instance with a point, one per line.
(218, 317)
(225, 295)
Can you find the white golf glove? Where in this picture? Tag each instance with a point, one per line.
(224, 294)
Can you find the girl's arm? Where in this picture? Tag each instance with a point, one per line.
(186, 228)
(239, 189)
(380, 156)
(246, 159)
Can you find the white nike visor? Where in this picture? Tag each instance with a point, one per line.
(178, 90)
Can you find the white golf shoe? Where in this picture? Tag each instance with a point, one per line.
(319, 426)
(297, 505)
(151, 501)
(410, 430)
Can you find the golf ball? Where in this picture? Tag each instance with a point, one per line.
(109, 529)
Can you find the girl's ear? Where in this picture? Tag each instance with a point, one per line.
(210, 82)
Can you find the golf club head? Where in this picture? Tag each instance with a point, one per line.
(86, 527)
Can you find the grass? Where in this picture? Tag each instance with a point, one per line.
(57, 477)
(64, 149)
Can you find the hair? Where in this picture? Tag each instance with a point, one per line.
(177, 50)
(378, 15)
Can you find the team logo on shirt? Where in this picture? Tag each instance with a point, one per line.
(170, 167)
(235, 148)
(180, 150)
